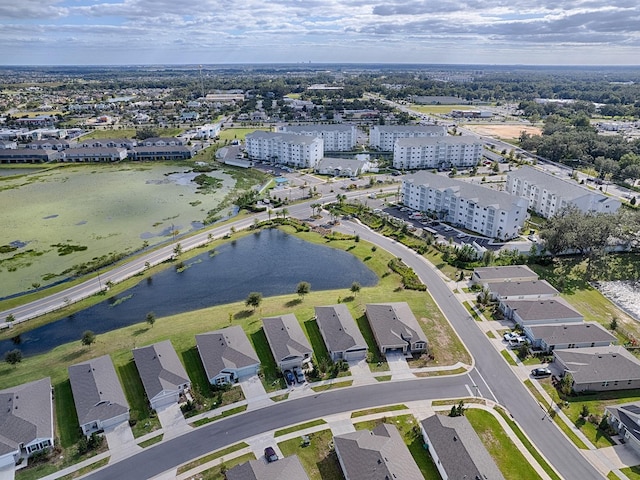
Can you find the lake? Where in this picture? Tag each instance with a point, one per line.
(269, 261)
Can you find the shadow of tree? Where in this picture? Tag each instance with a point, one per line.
(243, 314)
(350, 298)
(139, 331)
(329, 467)
(71, 356)
(293, 303)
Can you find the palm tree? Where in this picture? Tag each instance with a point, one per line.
(284, 212)
(269, 212)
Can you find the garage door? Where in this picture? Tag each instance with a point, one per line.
(355, 354)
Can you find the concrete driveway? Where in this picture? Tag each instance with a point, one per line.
(121, 442)
(361, 372)
(254, 392)
(172, 421)
(398, 366)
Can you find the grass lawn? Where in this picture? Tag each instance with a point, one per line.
(439, 109)
(127, 133)
(383, 378)
(68, 429)
(332, 386)
(272, 378)
(152, 441)
(226, 413)
(510, 461)
(318, 458)
(370, 411)
(238, 133)
(145, 420)
(633, 473)
(217, 473)
(507, 356)
(410, 432)
(212, 456)
(302, 426)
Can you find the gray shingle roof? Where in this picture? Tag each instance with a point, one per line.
(529, 287)
(572, 333)
(629, 414)
(286, 337)
(599, 364)
(338, 328)
(159, 368)
(97, 392)
(376, 455)
(544, 309)
(504, 273)
(226, 348)
(25, 414)
(288, 468)
(481, 195)
(394, 323)
(461, 453)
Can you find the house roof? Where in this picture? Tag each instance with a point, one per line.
(228, 348)
(543, 309)
(339, 164)
(394, 323)
(287, 468)
(554, 184)
(376, 455)
(629, 415)
(435, 140)
(97, 392)
(435, 129)
(283, 136)
(504, 273)
(159, 368)
(481, 195)
(161, 149)
(85, 151)
(286, 337)
(459, 449)
(318, 128)
(526, 287)
(338, 328)
(599, 364)
(571, 333)
(25, 414)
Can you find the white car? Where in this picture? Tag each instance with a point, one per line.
(509, 336)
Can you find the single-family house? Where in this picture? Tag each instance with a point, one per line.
(227, 355)
(341, 335)
(456, 449)
(287, 468)
(599, 369)
(509, 273)
(163, 376)
(571, 335)
(287, 341)
(625, 419)
(540, 312)
(395, 328)
(527, 290)
(26, 420)
(378, 454)
(98, 396)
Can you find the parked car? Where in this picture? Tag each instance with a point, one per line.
(289, 377)
(541, 372)
(270, 454)
(517, 342)
(299, 375)
(510, 336)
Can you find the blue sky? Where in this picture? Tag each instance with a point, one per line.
(564, 32)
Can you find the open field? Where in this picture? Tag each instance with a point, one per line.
(109, 209)
(441, 109)
(126, 133)
(238, 133)
(504, 131)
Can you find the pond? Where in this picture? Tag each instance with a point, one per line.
(269, 261)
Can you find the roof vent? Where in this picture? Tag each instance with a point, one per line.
(455, 439)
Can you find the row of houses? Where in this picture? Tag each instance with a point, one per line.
(584, 349)
(454, 446)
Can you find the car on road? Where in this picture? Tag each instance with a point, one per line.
(270, 454)
(289, 377)
(541, 372)
(299, 375)
(447, 228)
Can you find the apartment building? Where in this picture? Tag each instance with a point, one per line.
(476, 208)
(549, 194)
(301, 151)
(337, 138)
(415, 153)
(383, 137)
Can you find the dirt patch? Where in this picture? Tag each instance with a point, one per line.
(504, 131)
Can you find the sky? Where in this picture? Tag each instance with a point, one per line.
(134, 32)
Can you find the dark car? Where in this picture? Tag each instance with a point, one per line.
(541, 372)
(270, 454)
(288, 375)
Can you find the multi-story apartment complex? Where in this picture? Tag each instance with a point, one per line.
(286, 148)
(337, 138)
(476, 208)
(437, 152)
(548, 194)
(383, 137)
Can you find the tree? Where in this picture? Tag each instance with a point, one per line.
(303, 288)
(145, 132)
(177, 250)
(151, 318)
(88, 337)
(10, 318)
(355, 288)
(253, 300)
(566, 384)
(13, 357)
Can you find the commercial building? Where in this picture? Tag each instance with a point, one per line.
(337, 138)
(437, 152)
(383, 137)
(476, 208)
(548, 194)
(300, 151)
